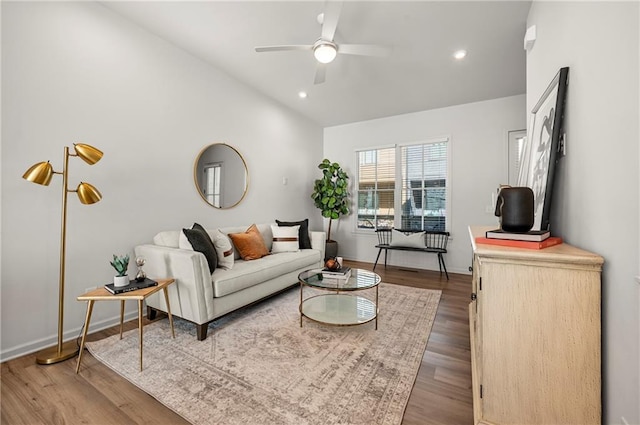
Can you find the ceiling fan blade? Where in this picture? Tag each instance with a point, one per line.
(321, 71)
(284, 47)
(331, 16)
(364, 50)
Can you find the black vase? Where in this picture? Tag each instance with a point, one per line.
(515, 209)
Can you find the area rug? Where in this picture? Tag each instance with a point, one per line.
(258, 366)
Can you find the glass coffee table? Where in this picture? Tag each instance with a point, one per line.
(341, 305)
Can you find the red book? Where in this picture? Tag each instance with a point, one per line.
(551, 241)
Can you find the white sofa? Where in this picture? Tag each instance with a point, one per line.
(200, 296)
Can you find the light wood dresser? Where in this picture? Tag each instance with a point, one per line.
(535, 334)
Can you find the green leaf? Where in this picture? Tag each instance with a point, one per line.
(120, 264)
(330, 194)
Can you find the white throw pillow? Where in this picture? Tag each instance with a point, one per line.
(412, 240)
(285, 239)
(183, 242)
(167, 238)
(224, 250)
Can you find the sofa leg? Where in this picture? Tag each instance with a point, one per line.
(151, 313)
(201, 331)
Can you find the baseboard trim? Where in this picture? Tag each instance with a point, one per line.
(50, 341)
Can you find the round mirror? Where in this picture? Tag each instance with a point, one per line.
(221, 175)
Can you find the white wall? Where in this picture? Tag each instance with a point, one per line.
(596, 203)
(478, 142)
(74, 71)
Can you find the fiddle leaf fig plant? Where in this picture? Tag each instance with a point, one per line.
(330, 192)
(120, 263)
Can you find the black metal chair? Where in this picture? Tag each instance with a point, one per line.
(435, 242)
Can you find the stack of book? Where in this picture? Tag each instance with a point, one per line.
(133, 285)
(533, 239)
(341, 275)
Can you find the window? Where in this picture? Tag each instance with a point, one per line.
(515, 148)
(410, 179)
(376, 188)
(424, 186)
(212, 190)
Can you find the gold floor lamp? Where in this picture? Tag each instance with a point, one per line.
(42, 173)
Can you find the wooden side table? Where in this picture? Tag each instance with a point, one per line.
(101, 294)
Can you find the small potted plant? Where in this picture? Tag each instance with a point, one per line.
(120, 263)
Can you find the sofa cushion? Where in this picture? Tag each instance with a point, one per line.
(285, 239)
(249, 273)
(224, 249)
(265, 231)
(249, 244)
(303, 234)
(197, 239)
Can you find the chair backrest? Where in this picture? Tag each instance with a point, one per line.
(384, 236)
(436, 239)
(432, 238)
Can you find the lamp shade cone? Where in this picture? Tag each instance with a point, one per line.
(88, 194)
(40, 173)
(88, 153)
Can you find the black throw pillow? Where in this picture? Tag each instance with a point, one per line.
(303, 233)
(197, 226)
(201, 242)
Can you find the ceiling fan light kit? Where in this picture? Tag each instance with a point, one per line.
(325, 51)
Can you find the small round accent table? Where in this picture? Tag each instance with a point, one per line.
(340, 306)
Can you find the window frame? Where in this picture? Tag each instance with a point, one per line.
(397, 218)
(211, 193)
(515, 155)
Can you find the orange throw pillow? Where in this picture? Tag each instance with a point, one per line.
(249, 244)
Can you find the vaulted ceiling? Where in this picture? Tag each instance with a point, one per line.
(419, 74)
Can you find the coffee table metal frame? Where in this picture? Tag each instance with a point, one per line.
(341, 307)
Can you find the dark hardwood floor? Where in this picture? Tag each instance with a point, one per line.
(55, 394)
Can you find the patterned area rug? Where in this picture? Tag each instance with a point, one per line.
(257, 366)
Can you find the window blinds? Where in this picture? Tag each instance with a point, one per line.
(420, 196)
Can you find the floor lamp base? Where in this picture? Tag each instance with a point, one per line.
(50, 355)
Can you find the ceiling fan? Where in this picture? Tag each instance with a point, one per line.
(325, 49)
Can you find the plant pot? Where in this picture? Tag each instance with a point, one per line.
(119, 281)
(330, 249)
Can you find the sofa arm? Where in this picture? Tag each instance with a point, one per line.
(318, 240)
(191, 296)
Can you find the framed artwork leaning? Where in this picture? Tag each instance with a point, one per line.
(542, 147)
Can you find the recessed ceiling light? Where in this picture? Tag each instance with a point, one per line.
(460, 54)
(302, 94)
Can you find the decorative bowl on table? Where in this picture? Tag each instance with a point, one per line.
(332, 264)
